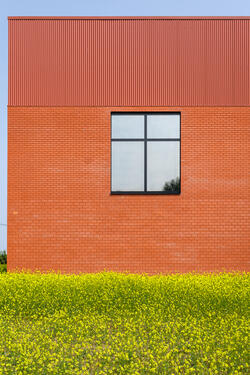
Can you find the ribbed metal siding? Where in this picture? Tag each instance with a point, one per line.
(125, 62)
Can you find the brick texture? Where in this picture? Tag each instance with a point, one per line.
(61, 215)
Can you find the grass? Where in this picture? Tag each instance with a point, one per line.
(110, 323)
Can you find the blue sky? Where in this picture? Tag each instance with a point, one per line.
(88, 8)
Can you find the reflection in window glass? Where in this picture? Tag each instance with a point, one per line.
(163, 166)
(127, 126)
(163, 126)
(127, 166)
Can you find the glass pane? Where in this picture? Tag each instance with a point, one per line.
(127, 166)
(163, 126)
(163, 166)
(127, 126)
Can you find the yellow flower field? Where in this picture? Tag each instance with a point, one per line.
(111, 323)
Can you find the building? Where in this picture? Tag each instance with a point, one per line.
(128, 144)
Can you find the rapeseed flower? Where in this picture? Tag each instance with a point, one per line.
(110, 323)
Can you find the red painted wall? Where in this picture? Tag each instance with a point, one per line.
(66, 75)
(129, 61)
(61, 215)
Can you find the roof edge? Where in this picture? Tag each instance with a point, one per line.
(127, 18)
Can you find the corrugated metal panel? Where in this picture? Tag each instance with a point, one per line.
(128, 61)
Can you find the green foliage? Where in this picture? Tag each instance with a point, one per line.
(111, 323)
(3, 268)
(172, 186)
(3, 257)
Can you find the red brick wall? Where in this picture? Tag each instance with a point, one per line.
(61, 215)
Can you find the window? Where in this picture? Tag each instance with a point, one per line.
(145, 153)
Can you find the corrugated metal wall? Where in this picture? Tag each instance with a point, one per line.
(125, 62)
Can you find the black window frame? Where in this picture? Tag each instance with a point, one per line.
(145, 140)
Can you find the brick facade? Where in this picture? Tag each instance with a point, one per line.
(61, 215)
